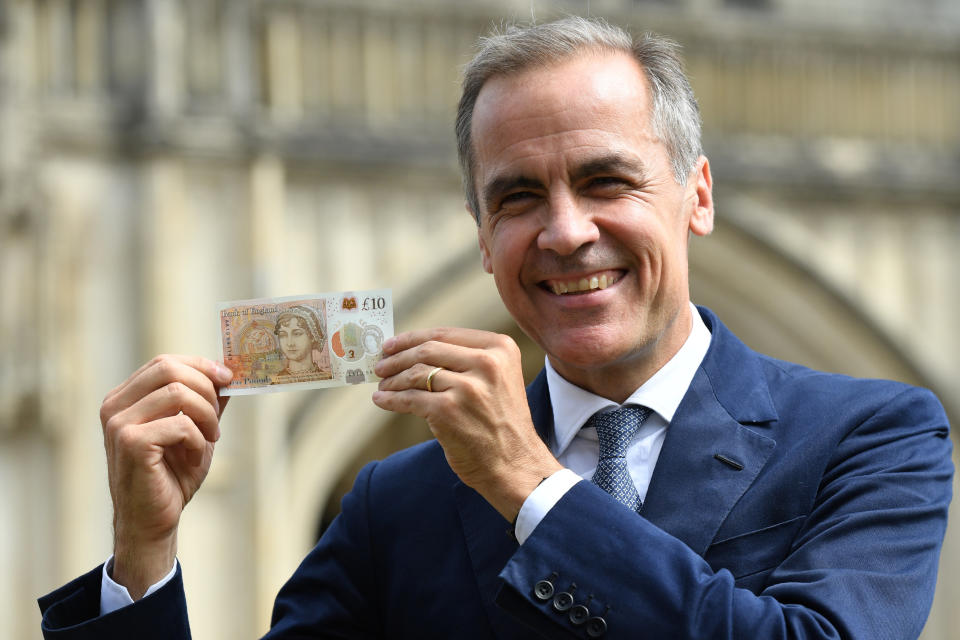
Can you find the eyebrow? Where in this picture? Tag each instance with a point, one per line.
(611, 163)
(503, 184)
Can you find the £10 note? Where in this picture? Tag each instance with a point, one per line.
(304, 342)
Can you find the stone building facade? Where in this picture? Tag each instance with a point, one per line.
(157, 156)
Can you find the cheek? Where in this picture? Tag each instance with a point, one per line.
(508, 245)
(508, 272)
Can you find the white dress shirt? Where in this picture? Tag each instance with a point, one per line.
(113, 595)
(577, 447)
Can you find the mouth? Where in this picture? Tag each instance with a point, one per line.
(583, 284)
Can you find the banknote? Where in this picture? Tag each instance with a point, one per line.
(304, 342)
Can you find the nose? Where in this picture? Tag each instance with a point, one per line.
(567, 226)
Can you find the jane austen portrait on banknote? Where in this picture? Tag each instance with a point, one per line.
(301, 340)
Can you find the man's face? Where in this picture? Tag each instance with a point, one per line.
(581, 221)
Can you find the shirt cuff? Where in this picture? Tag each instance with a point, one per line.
(541, 500)
(114, 596)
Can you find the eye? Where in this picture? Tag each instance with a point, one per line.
(606, 183)
(516, 197)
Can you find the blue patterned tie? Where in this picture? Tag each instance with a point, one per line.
(616, 429)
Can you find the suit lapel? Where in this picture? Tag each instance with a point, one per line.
(692, 491)
(538, 398)
(486, 532)
(697, 480)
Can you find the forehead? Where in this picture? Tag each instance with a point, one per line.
(596, 101)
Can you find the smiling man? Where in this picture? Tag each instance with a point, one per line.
(582, 221)
(658, 479)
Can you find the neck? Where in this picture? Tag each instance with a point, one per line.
(618, 380)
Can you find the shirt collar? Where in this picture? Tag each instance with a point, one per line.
(572, 405)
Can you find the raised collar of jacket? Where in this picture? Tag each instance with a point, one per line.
(572, 405)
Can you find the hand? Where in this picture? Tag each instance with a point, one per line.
(477, 410)
(159, 427)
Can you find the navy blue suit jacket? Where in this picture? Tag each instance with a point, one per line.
(786, 503)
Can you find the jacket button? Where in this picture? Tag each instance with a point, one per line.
(579, 614)
(563, 601)
(543, 590)
(596, 627)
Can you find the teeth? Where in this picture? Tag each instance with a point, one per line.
(583, 284)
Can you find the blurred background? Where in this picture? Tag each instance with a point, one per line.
(158, 156)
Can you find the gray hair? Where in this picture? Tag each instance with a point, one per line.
(675, 117)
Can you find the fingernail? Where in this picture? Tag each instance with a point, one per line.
(224, 372)
(389, 343)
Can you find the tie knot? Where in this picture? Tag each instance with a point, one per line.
(615, 429)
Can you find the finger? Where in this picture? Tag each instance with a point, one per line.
(218, 373)
(179, 456)
(171, 431)
(182, 440)
(433, 353)
(168, 401)
(412, 401)
(159, 372)
(416, 378)
(474, 338)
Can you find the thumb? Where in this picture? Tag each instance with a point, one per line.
(218, 372)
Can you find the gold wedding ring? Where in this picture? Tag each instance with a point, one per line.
(430, 377)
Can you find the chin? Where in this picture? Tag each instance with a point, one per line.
(588, 351)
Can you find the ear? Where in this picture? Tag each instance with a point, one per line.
(701, 218)
(484, 253)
